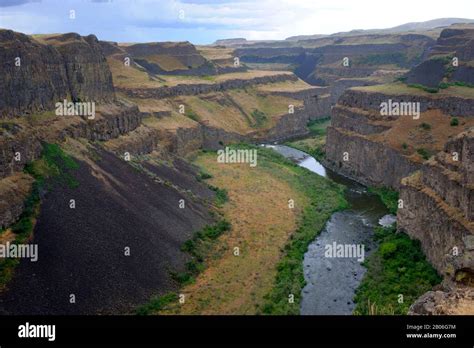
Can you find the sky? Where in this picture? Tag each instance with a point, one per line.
(204, 21)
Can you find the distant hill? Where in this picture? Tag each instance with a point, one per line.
(407, 27)
(435, 23)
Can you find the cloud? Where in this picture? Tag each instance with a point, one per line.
(6, 3)
(203, 21)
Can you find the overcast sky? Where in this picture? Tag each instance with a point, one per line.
(204, 21)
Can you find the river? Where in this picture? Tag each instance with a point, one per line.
(331, 282)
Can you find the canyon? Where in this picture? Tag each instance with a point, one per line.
(158, 105)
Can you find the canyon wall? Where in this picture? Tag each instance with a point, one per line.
(439, 209)
(37, 74)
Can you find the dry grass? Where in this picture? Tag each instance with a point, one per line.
(401, 88)
(261, 225)
(166, 62)
(406, 130)
(286, 86)
(215, 53)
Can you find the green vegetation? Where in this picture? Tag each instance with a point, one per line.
(405, 146)
(191, 114)
(157, 303)
(325, 197)
(423, 153)
(444, 85)
(200, 247)
(388, 196)
(221, 195)
(318, 127)
(397, 267)
(454, 122)
(203, 176)
(53, 164)
(314, 145)
(425, 126)
(259, 118)
(424, 88)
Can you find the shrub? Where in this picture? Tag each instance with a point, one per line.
(423, 153)
(425, 126)
(454, 122)
(398, 266)
(259, 117)
(221, 195)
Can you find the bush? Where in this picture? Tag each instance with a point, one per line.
(397, 267)
(157, 303)
(454, 122)
(425, 126)
(221, 195)
(199, 247)
(424, 88)
(423, 153)
(259, 118)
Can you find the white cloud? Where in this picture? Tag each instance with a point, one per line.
(207, 20)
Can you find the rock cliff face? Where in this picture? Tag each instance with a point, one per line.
(319, 61)
(13, 192)
(111, 121)
(369, 162)
(88, 75)
(39, 73)
(352, 146)
(176, 58)
(33, 76)
(452, 43)
(446, 301)
(439, 209)
(203, 88)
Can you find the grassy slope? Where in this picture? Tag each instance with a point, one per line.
(269, 266)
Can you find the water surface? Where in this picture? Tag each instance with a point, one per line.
(331, 282)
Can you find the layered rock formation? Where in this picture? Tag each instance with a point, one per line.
(436, 194)
(450, 60)
(439, 209)
(33, 75)
(41, 72)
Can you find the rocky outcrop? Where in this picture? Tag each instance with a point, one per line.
(439, 209)
(33, 76)
(88, 75)
(38, 74)
(368, 162)
(452, 43)
(451, 105)
(203, 88)
(445, 301)
(177, 58)
(111, 121)
(13, 192)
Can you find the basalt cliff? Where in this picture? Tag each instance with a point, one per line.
(426, 153)
(154, 104)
